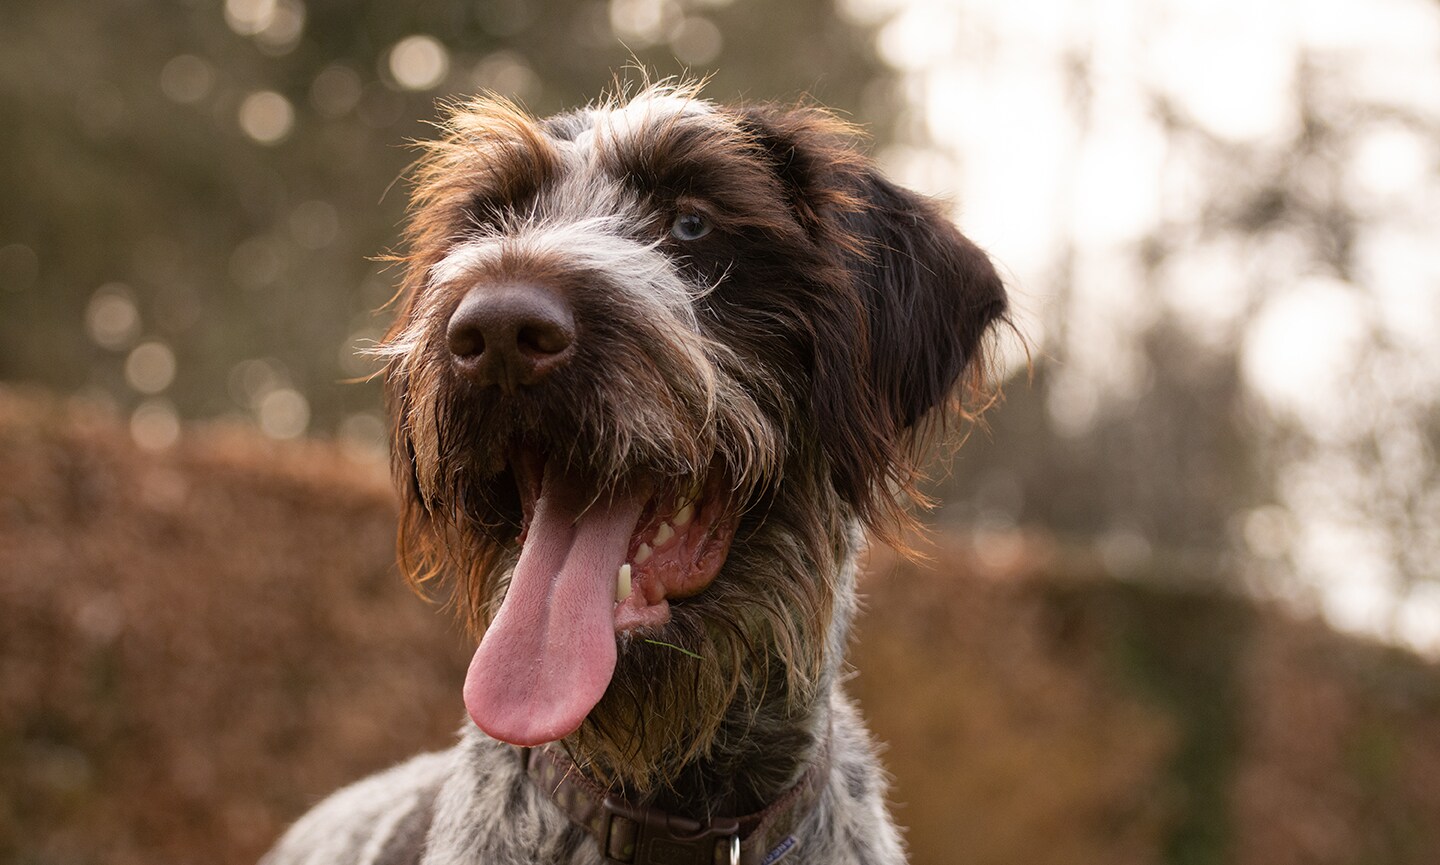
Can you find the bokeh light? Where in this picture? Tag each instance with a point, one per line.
(249, 17)
(187, 78)
(419, 62)
(642, 23)
(266, 117)
(283, 413)
(155, 425)
(284, 28)
(112, 319)
(336, 90)
(150, 367)
(506, 72)
(258, 262)
(697, 41)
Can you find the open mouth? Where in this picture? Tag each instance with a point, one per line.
(593, 563)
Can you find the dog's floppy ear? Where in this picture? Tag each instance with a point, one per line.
(927, 293)
(931, 295)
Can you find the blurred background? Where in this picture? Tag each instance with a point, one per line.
(1183, 598)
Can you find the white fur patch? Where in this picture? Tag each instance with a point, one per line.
(596, 244)
(620, 123)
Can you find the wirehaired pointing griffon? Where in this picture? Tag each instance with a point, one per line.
(659, 366)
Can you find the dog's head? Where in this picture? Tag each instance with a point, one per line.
(654, 360)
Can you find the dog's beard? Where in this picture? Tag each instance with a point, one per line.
(745, 652)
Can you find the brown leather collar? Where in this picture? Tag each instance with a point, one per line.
(643, 835)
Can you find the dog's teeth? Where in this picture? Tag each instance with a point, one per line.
(642, 555)
(663, 534)
(682, 516)
(622, 583)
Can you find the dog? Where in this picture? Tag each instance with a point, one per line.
(659, 368)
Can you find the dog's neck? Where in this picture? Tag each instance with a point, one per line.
(756, 763)
(760, 752)
(763, 750)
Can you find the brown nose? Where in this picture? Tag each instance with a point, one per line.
(510, 335)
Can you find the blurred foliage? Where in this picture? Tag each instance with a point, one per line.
(200, 643)
(211, 179)
(1236, 378)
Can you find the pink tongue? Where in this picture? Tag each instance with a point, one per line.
(548, 656)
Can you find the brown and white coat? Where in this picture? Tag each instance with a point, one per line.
(696, 346)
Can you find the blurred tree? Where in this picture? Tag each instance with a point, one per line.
(193, 189)
(1260, 399)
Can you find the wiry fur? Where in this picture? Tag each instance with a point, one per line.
(798, 352)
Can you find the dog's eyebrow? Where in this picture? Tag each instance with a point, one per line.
(490, 149)
(656, 139)
(706, 156)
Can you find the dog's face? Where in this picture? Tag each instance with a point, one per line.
(654, 360)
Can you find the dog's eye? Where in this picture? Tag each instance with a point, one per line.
(689, 226)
